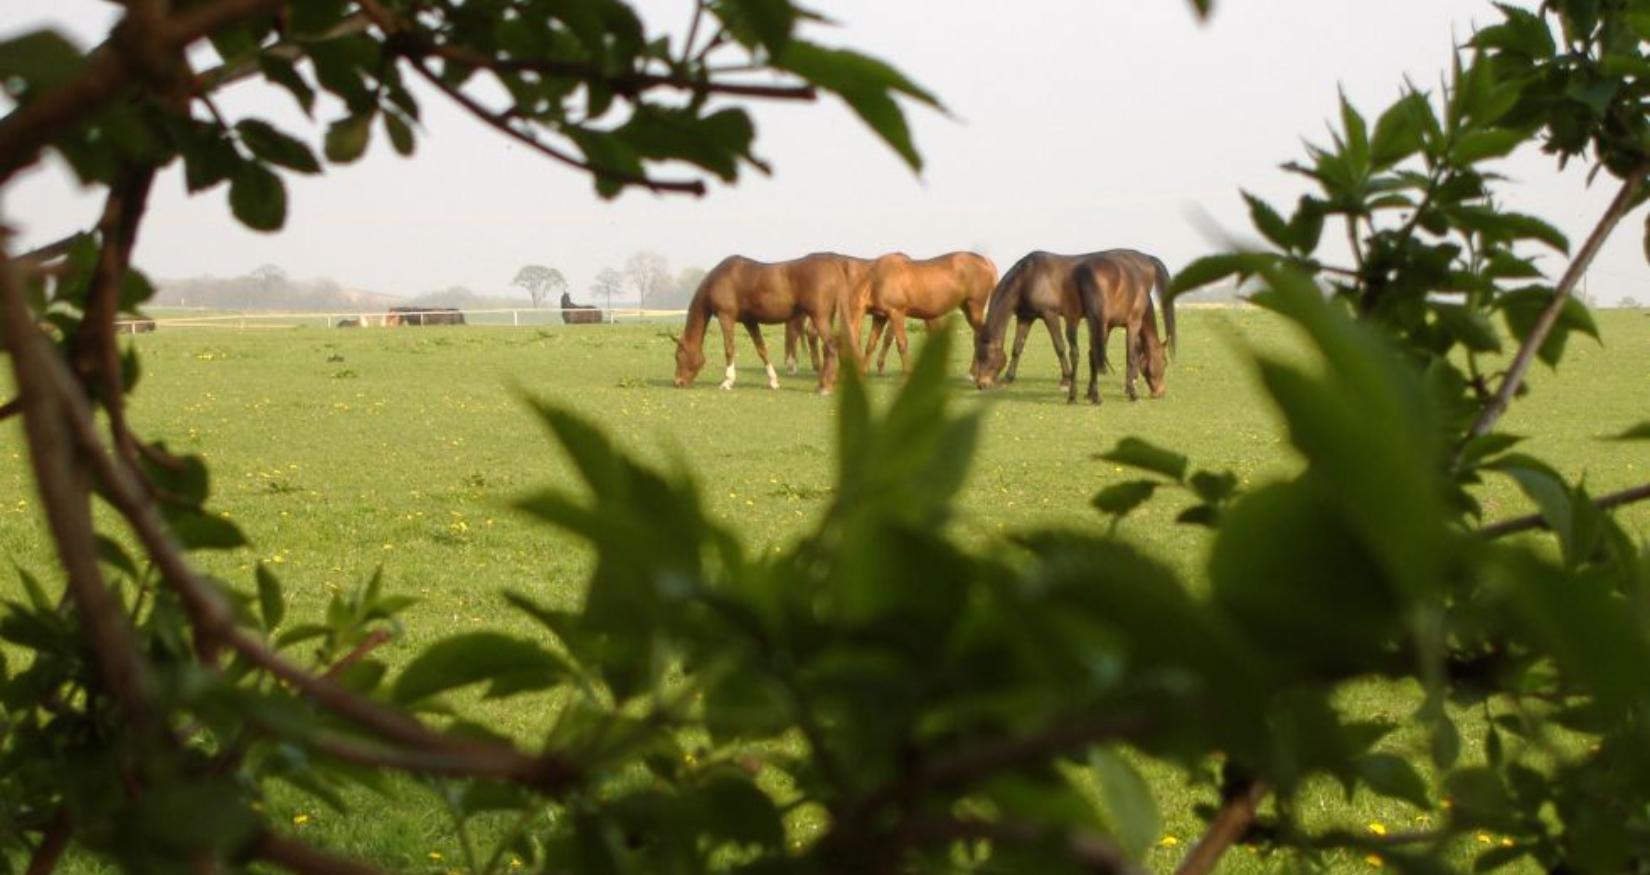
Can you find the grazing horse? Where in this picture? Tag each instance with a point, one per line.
(578, 314)
(1116, 290)
(897, 287)
(424, 316)
(753, 293)
(1045, 287)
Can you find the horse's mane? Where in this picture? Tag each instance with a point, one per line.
(1005, 298)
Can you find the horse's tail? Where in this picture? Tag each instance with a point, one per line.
(1093, 300)
(1164, 295)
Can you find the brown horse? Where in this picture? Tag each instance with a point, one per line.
(798, 330)
(1116, 290)
(1044, 287)
(897, 287)
(752, 293)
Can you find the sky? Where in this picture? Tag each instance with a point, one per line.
(1070, 125)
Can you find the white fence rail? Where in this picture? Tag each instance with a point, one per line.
(513, 317)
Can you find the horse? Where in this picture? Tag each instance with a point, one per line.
(578, 314)
(424, 316)
(743, 291)
(1044, 287)
(1116, 290)
(897, 287)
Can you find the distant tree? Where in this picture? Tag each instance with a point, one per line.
(539, 281)
(687, 282)
(608, 283)
(649, 276)
(269, 274)
(1629, 303)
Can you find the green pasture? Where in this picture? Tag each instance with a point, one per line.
(343, 451)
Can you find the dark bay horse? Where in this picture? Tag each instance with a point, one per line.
(1045, 287)
(578, 314)
(740, 291)
(1116, 290)
(898, 286)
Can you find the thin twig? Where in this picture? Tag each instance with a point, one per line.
(295, 856)
(1618, 209)
(1537, 521)
(11, 408)
(374, 640)
(972, 765)
(501, 124)
(1226, 829)
(693, 31)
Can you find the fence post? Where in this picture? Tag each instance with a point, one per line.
(515, 317)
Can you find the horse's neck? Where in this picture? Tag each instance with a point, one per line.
(698, 319)
(1001, 307)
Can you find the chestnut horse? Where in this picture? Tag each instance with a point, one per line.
(897, 287)
(1045, 287)
(797, 330)
(753, 293)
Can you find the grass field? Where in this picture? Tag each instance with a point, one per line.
(343, 451)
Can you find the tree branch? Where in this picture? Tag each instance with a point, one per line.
(211, 616)
(1537, 521)
(971, 765)
(373, 641)
(1226, 829)
(63, 491)
(300, 858)
(502, 124)
(1618, 209)
(96, 349)
(53, 843)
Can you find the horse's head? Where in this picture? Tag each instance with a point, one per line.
(1153, 361)
(988, 358)
(689, 361)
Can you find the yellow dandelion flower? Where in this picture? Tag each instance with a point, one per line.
(1167, 842)
(300, 819)
(515, 862)
(436, 857)
(1375, 860)
(1507, 843)
(1483, 838)
(1377, 828)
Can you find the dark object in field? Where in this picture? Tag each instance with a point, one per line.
(898, 286)
(1104, 289)
(349, 323)
(424, 316)
(752, 293)
(140, 326)
(579, 314)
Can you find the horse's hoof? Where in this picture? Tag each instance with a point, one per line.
(773, 384)
(824, 393)
(727, 387)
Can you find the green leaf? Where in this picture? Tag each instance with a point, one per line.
(198, 530)
(275, 147)
(1213, 268)
(1482, 145)
(866, 84)
(739, 812)
(508, 665)
(1394, 777)
(258, 197)
(1270, 223)
(271, 602)
(347, 138)
(1122, 498)
(1399, 131)
(400, 134)
(1130, 806)
(43, 59)
(1545, 487)
(770, 21)
(1471, 327)
(1136, 453)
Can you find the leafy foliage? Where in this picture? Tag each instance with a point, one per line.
(943, 706)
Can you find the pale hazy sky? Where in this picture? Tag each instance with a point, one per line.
(1075, 125)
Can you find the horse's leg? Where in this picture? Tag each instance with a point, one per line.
(902, 343)
(1067, 379)
(827, 374)
(888, 343)
(813, 345)
(1097, 357)
(1131, 369)
(762, 352)
(1075, 352)
(727, 344)
(1105, 339)
(879, 324)
(793, 330)
(1022, 330)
